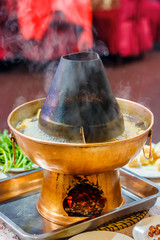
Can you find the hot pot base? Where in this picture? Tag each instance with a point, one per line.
(65, 199)
(94, 163)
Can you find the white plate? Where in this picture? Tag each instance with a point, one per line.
(100, 235)
(2, 175)
(140, 231)
(145, 171)
(18, 170)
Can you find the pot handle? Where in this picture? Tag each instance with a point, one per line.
(13, 140)
(82, 133)
(150, 149)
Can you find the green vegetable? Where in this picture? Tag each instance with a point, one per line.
(6, 155)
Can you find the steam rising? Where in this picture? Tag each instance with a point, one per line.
(124, 91)
(20, 100)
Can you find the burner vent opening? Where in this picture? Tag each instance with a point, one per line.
(84, 201)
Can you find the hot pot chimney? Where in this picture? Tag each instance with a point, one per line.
(80, 105)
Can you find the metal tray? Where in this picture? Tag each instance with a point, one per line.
(18, 196)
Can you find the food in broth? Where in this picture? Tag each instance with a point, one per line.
(29, 127)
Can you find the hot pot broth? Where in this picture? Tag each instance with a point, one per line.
(29, 127)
